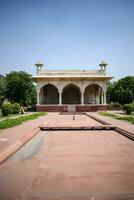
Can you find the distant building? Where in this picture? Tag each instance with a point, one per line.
(71, 90)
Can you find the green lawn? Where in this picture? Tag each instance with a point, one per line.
(128, 118)
(7, 123)
(11, 115)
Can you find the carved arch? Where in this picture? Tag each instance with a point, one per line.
(71, 94)
(49, 94)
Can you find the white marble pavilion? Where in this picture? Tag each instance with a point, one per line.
(66, 90)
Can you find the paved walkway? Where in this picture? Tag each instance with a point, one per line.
(12, 138)
(70, 165)
(10, 135)
(73, 121)
(118, 123)
(67, 165)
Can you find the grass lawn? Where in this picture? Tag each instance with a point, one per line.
(11, 115)
(7, 123)
(128, 118)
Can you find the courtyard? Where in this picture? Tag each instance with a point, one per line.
(77, 164)
(67, 100)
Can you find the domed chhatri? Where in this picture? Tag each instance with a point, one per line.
(103, 65)
(39, 66)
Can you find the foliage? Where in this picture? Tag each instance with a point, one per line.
(132, 106)
(6, 109)
(20, 88)
(125, 118)
(128, 108)
(114, 106)
(0, 112)
(31, 98)
(15, 108)
(2, 89)
(122, 95)
(110, 88)
(7, 123)
(122, 91)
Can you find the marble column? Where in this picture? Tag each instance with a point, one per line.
(97, 99)
(82, 98)
(101, 97)
(60, 98)
(105, 102)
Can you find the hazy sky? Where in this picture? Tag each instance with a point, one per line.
(67, 34)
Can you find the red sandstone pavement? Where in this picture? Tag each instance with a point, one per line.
(72, 121)
(13, 138)
(118, 123)
(70, 165)
(90, 165)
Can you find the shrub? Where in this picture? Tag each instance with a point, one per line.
(128, 108)
(114, 106)
(15, 108)
(6, 109)
(132, 106)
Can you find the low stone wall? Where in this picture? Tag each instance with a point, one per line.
(64, 108)
(51, 108)
(90, 108)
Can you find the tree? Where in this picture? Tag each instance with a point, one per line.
(110, 87)
(32, 97)
(122, 91)
(2, 89)
(20, 88)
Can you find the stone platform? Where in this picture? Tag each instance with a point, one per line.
(75, 108)
(69, 164)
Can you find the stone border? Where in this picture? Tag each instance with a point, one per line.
(105, 126)
(97, 119)
(125, 133)
(117, 129)
(6, 153)
(65, 128)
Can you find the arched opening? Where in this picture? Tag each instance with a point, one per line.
(93, 94)
(71, 95)
(49, 94)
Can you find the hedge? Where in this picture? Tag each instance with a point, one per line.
(7, 123)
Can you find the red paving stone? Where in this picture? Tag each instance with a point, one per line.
(72, 121)
(118, 123)
(11, 135)
(70, 165)
(14, 138)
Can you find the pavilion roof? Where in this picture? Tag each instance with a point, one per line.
(87, 74)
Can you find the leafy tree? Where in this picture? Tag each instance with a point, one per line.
(123, 91)
(2, 89)
(32, 97)
(20, 88)
(110, 87)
